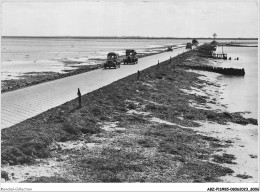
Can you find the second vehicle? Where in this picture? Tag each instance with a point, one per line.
(130, 56)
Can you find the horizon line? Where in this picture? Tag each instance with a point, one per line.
(126, 37)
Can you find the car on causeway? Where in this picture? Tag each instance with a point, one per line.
(130, 57)
(169, 49)
(112, 61)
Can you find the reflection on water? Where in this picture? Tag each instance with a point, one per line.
(241, 93)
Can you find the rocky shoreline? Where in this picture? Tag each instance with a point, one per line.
(145, 130)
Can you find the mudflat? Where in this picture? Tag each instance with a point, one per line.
(34, 78)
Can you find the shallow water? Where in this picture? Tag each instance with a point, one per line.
(241, 93)
(23, 55)
(51, 48)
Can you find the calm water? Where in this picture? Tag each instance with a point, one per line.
(23, 55)
(51, 48)
(29, 49)
(241, 93)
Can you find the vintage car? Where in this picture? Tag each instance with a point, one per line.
(112, 61)
(189, 46)
(130, 56)
(169, 49)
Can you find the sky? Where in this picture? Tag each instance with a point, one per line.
(152, 18)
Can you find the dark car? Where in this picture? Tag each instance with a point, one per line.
(112, 61)
(130, 56)
(189, 46)
(169, 49)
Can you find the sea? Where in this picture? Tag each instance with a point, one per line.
(241, 92)
(27, 55)
(20, 56)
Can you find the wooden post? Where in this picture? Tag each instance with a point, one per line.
(79, 98)
(158, 64)
(138, 74)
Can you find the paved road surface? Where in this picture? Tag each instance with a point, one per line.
(19, 105)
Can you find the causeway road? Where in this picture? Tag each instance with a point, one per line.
(22, 104)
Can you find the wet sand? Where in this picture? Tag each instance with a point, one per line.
(50, 70)
(243, 138)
